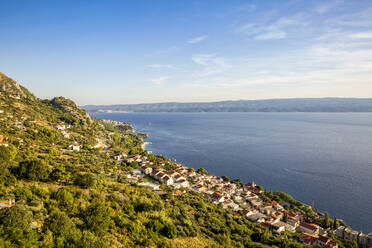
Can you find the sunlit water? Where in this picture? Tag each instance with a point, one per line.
(322, 156)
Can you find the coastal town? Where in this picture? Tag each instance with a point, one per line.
(245, 199)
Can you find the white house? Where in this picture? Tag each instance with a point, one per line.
(167, 180)
(74, 147)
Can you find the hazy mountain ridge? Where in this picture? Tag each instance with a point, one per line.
(270, 105)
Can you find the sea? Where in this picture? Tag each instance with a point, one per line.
(320, 157)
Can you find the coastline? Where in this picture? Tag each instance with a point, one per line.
(145, 143)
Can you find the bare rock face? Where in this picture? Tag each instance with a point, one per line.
(11, 88)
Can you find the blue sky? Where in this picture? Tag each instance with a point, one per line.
(111, 52)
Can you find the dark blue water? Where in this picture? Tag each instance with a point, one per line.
(322, 156)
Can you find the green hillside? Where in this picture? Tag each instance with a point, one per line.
(83, 198)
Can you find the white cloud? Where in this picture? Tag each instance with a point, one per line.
(161, 66)
(212, 64)
(325, 7)
(159, 80)
(271, 35)
(365, 35)
(272, 30)
(197, 39)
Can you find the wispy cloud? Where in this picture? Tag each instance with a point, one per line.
(162, 66)
(271, 30)
(197, 39)
(271, 35)
(364, 35)
(327, 6)
(211, 64)
(159, 80)
(245, 8)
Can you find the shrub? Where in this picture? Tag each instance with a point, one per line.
(85, 180)
(35, 169)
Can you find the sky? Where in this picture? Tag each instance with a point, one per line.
(142, 51)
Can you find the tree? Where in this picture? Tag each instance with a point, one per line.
(97, 218)
(5, 154)
(326, 221)
(202, 171)
(16, 216)
(85, 181)
(59, 223)
(285, 217)
(226, 178)
(59, 173)
(335, 224)
(238, 182)
(34, 169)
(65, 199)
(15, 228)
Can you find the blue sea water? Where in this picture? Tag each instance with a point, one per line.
(322, 156)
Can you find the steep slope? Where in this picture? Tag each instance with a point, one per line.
(11, 88)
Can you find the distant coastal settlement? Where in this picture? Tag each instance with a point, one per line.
(276, 211)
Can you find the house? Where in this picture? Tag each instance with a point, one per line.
(200, 188)
(167, 180)
(119, 157)
(247, 212)
(61, 127)
(237, 198)
(178, 177)
(326, 242)
(190, 173)
(179, 192)
(7, 204)
(173, 174)
(278, 226)
(65, 134)
(4, 144)
(308, 239)
(159, 175)
(151, 186)
(136, 172)
(257, 217)
(218, 197)
(146, 170)
(74, 147)
(183, 183)
(293, 221)
(350, 234)
(312, 239)
(308, 228)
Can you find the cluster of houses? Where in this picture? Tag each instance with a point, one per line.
(314, 239)
(245, 199)
(350, 234)
(62, 128)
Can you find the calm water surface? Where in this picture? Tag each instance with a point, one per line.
(322, 156)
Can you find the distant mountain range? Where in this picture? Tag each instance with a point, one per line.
(271, 105)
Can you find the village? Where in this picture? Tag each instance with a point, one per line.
(245, 200)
